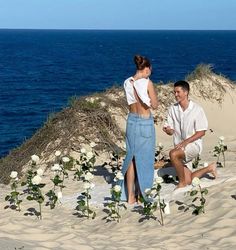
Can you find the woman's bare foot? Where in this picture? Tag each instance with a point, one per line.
(212, 170)
(131, 200)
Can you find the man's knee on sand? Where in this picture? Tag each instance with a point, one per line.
(176, 154)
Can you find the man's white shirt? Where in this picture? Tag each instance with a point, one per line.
(186, 123)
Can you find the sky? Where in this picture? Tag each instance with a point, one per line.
(118, 14)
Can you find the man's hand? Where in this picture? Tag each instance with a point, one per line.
(168, 130)
(181, 145)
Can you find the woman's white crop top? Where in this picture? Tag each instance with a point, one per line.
(141, 87)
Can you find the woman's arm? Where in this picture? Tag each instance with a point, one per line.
(152, 95)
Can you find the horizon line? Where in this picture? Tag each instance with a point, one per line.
(92, 29)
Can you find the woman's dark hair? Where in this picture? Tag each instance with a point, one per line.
(182, 84)
(141, 62)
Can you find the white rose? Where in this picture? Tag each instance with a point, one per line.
(40, 172)
(205, 164)
(83, 150)
(13, 174)
(147, 191)
(87, 185)
(153, 192)
(36, 180)
(117, 188)
(59, 195)
(89, 155)
(221, 138)
(56, 167)
(195, 181)
(35, 158)
(57, 153)
(158, 180)
(119, 176)
(65, 159)
(124, 146)
(92, 144)
(89, 176)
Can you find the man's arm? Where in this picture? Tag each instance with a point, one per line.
(192, 138)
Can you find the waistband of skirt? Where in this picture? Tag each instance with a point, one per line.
(140, 116)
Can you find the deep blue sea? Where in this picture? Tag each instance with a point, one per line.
(41, 69)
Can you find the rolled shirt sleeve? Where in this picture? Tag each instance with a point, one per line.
(201, 122)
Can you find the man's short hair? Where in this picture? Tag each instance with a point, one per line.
(183, 84)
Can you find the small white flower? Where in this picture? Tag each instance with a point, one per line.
(205, 164)
(103, 104)
(92, 100)
(92, 144)
(83, 150)
(160, 145)
(195, 181)
(35, 158)
(58, 153)
(221, 138)
(40, 172)
(124, 146)
(65, 159)
(13, 174)
(147, 191)
(36, 180)
(117, 188)
(89, 176)
(159, 180)
(119, 176)
(59, 195)
(56, 167)
(89, 155)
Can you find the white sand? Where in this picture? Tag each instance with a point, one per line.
(62, 229)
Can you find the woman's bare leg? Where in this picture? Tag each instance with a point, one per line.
(130, 180)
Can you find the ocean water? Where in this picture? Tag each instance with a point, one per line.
(41, 69)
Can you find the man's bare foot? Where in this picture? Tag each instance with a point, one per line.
(212, 169)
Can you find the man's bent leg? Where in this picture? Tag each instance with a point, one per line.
(177, 156)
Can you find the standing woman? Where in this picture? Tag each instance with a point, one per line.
(138, 167)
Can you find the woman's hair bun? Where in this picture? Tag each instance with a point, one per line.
(141, 62)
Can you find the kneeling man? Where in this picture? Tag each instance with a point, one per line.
(187, 122)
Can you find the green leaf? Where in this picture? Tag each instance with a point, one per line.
(30, 198)
(205, 191)
(193, 192)
(7, 197)
(194, 199)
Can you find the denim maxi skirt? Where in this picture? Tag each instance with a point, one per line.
(140, 145)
